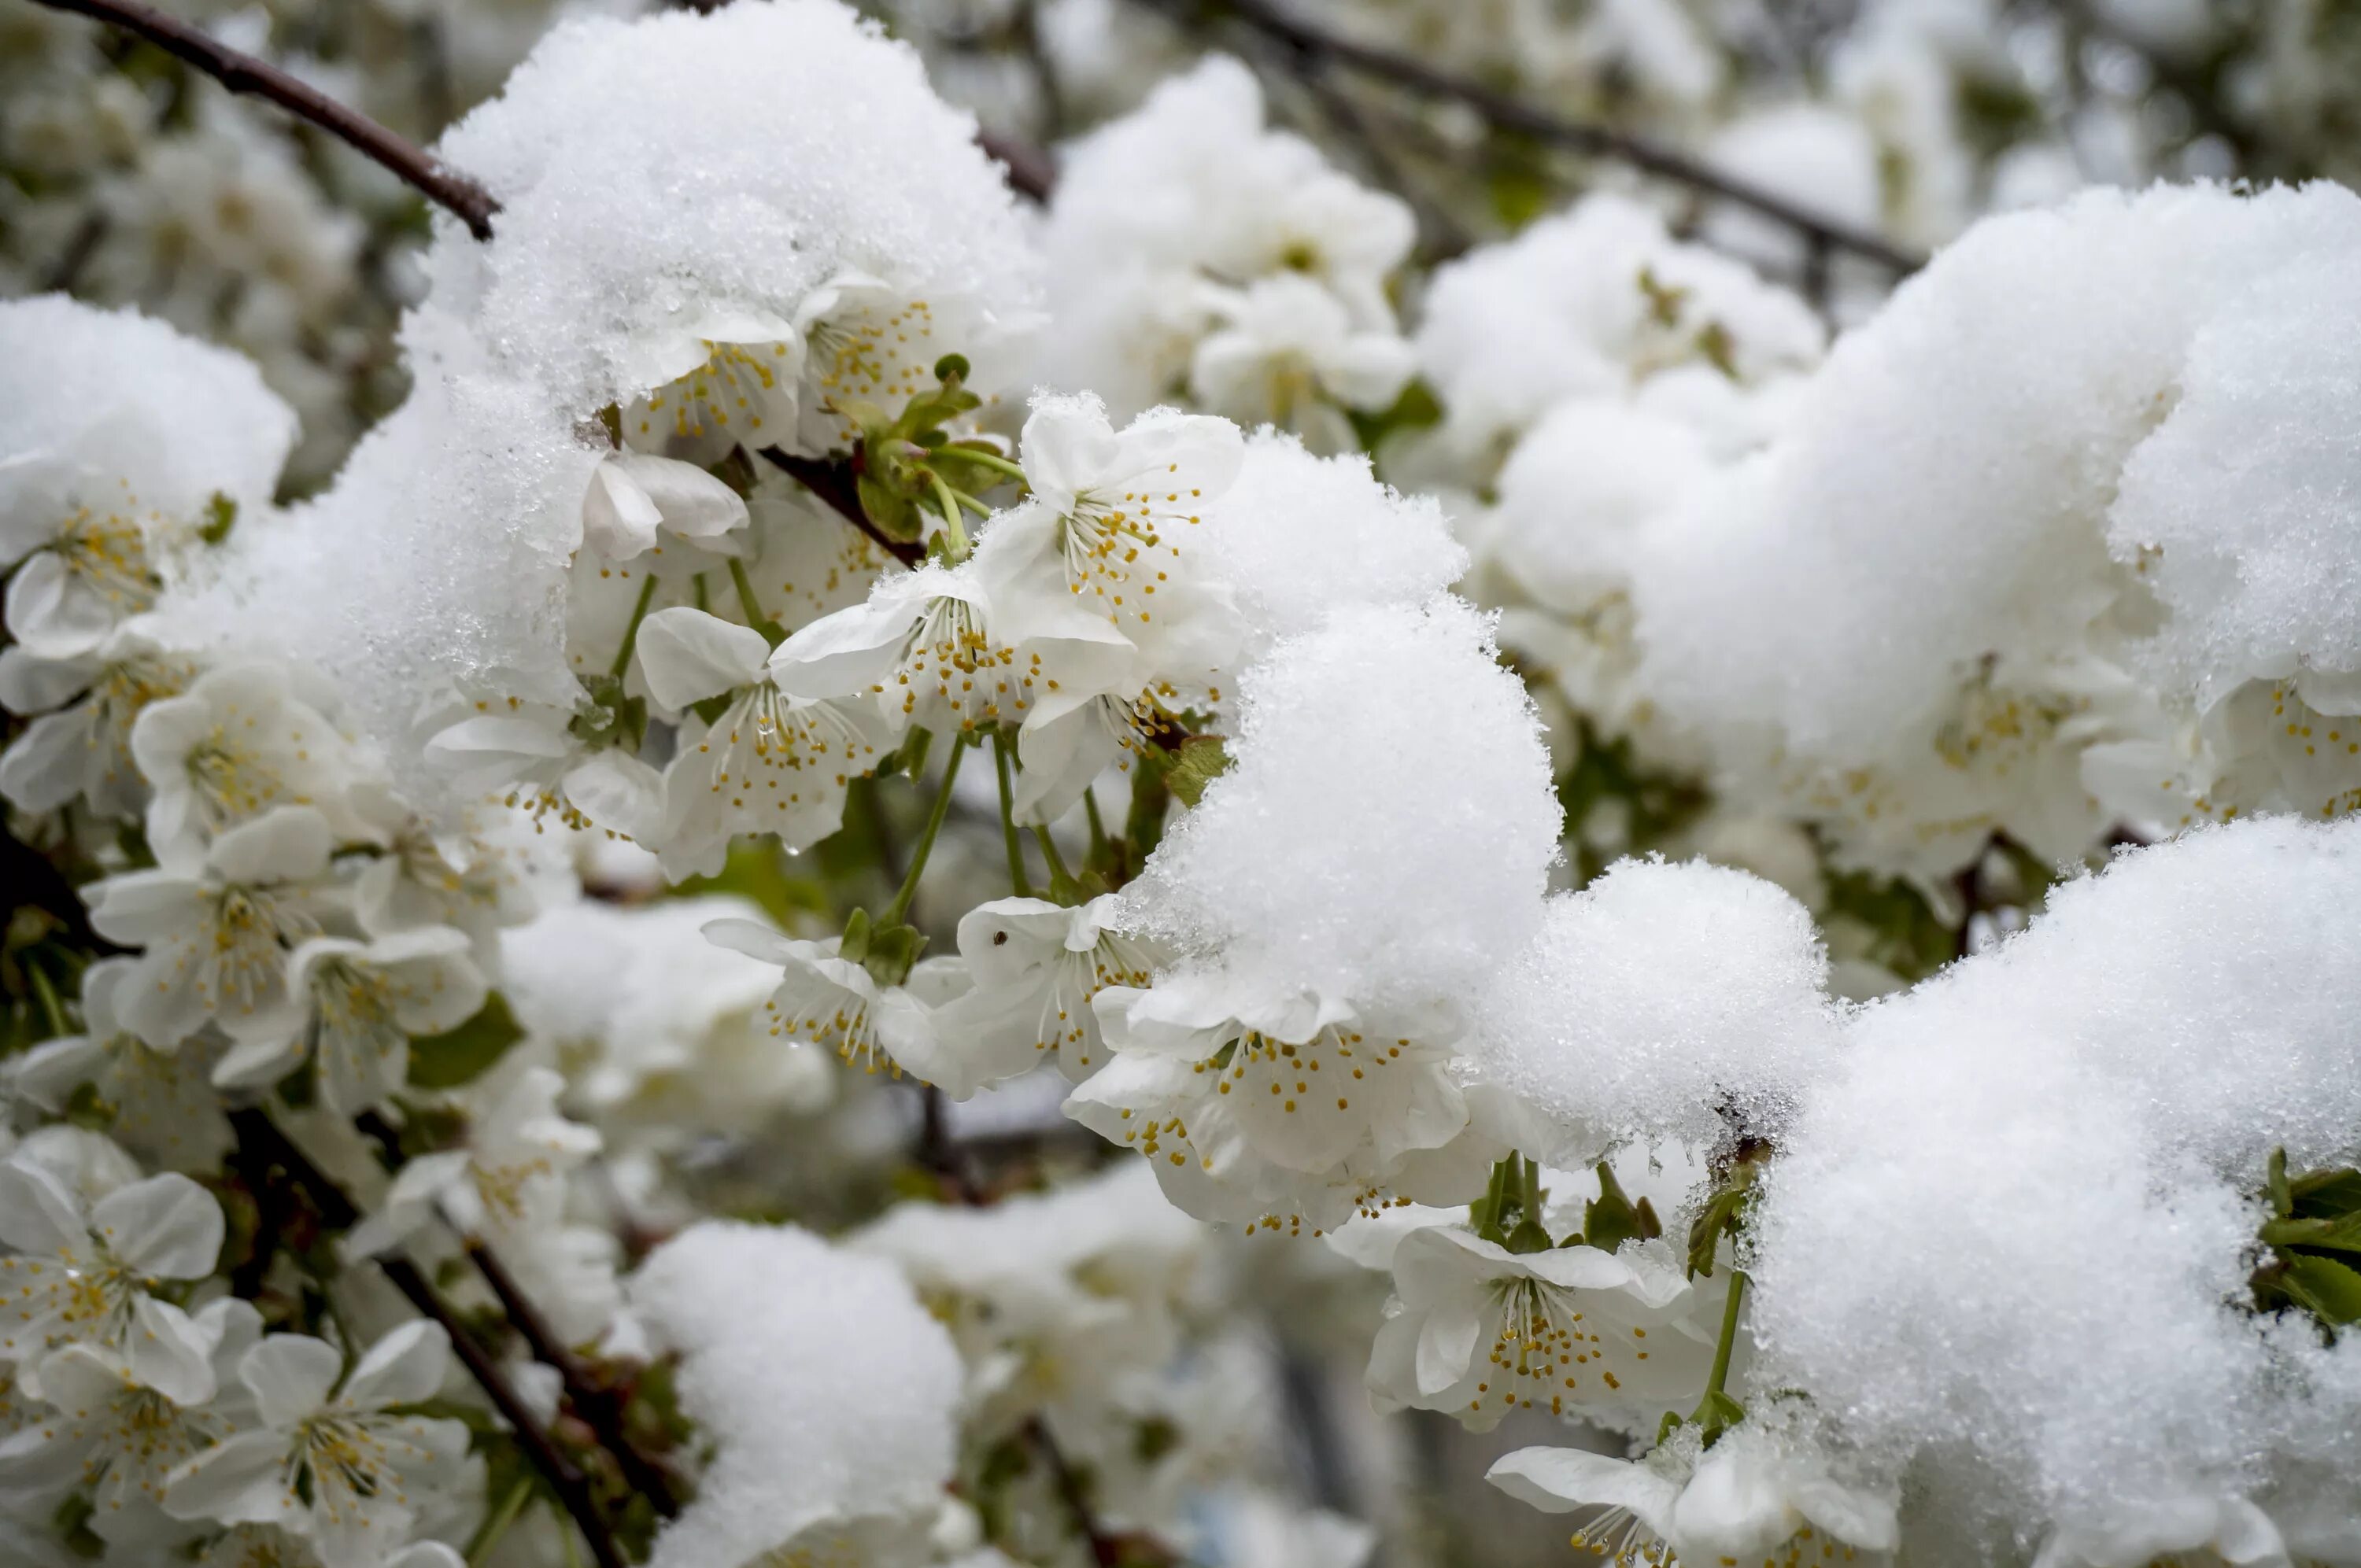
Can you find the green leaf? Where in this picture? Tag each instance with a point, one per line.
(2275, 1182)
(2339, 1234)
(463, 1055)
(1201, 760)
(2325, 1193)
(2328, 1289)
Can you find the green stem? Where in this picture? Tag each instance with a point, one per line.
(900, 908)
(1059, 875)
(631, 631)
(992, 460)
(947, 499)
(1729, 1339)
(752, 606)
(52, 1008)
(566, 1529)
(1098, 828)
(496, 1524)
(1017, 880)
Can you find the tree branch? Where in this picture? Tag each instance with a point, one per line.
(835, 483)
(241, 72)
(262, 1146)
(599, 1408)
(1308, 43)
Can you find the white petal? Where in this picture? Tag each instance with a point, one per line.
(287, 843)
(691, 503)
(166, 1225)
(39, 1215)
(1561, 1480)
(402, 1368)
(290, 1376)
(237, 1481)
(169, 1352)
(688, 655)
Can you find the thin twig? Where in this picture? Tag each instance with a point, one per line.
(1106, 1551)
(241, 72)
(262, 1146)
(1507, 114)
(838, 484)
(599, 1408)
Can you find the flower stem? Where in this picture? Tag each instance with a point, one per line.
(953, 528)
(496, 1524)
(900, 908)
(1059, 875)
(1017, 880)
(631, 631)
(1721, 1350)
(746, 600)
(988, 460)
(1098, 829)
(48, 995)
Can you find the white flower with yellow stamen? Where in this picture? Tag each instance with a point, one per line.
(1476, 1330)
(829, 1001)
(85, 548)
(1756, 1496)
(236, 744)
(115, 1437)
(1286, 352)
(1110, 516)
(767, 763)
(529, 756)
(329, 1458)
(161, 1103)
(83, 1271)
(1287, 1109)
(355, 1006)
(508, 1175)
(1036, 967)
(217, 940)
(86, 704)
(757, 379)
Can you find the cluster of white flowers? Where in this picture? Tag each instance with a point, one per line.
(533, 1026)
(1194, 253)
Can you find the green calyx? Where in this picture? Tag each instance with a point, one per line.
(912, 468)
(887, 951)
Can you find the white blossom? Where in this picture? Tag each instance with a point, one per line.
(1479, 1331)
(217, 941)
(353, 1007)
(1035, 966)
(326, 1457)
(82, 1273)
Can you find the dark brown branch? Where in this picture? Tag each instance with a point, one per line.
(599, 1408)
(1030, 172)
(1310, 42)
(242, 72)
(261, 1146)
(836, 483)
(1106, 1551)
